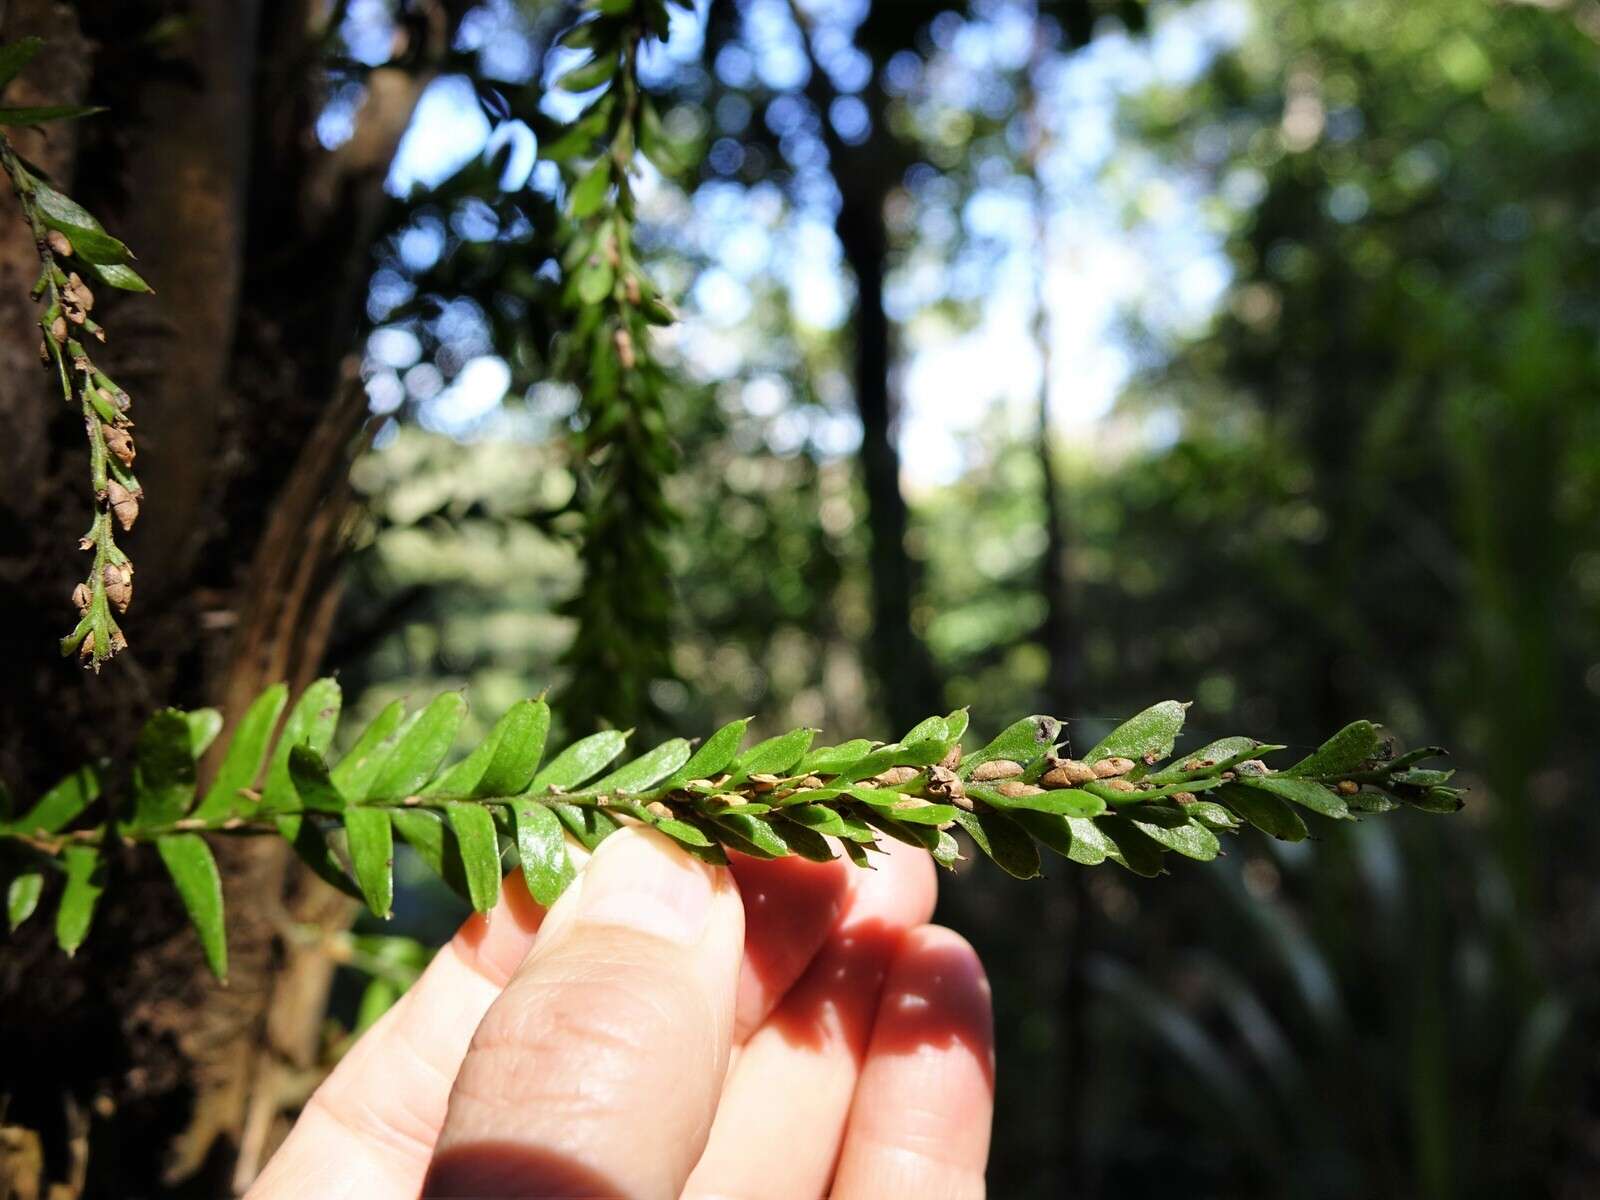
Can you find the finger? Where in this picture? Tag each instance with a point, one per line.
(597, 1070)
(790, 907)
(370, 1128)
(919, 1124)
(787, 1098)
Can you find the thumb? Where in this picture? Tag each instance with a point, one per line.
(597, 1071)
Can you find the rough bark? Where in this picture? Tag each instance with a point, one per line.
(129, 1071)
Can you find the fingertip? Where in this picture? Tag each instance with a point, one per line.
(937, 994)
(790, 907)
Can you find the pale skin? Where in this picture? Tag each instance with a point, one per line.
(774, 1030)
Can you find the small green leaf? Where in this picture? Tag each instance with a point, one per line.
(956, 725)
(682, 831)
(590, 75)
(580, 761)
(194, 873)
(752, 836)
(1435, 800)
(920, 754)
(1066, 802)
(912, 810)
(772, 757)
(933, 729)
(1303, 792)
(948, 851)
(419, 751)
(1150, 734)
(90, 241)
(61, 804)
(16, 55)
(1051, 830)
(22, 897)
(542, 847)
(857, 853)
(311, 723)
(1265, 811)
(1026, 741)
(85, 883)
(371, 841)
(1212, 815)
(646, 770)
(204, 725)
(163, 771)
(522, 736)
(1221, 754)
(48, 112)
(803, 841)
(246, 751)
(1190, 839)
(309, 775)
(713, 756)
(480, 851)
(120, 276)
(354, 773)
(589, 193)
(1003, 840)
(831, 760)
(1355, 744)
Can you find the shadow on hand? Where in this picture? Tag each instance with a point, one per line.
(502, 1170)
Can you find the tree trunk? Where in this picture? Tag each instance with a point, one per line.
(128, 1071)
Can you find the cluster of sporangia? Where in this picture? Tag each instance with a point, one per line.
(109, 431)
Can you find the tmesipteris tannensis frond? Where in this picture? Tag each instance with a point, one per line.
(1128, 799)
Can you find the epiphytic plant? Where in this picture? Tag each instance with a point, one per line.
(66, 234)
(1127, 799)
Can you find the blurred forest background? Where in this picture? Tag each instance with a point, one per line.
(1246, 351)
(1060, 357)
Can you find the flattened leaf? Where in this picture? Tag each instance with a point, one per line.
(371, 841)
(57, 808)
(542, 849)
(1191, 839)
(85, 883)
(163, 770)
(22, 898)
(647, 770)
(1266, 812)
(204, 725)
(934, 729)
(912, 810)
(425, 831)
(353, 774)
(1025, 741)
(1346, 750)
(775, 756)
(1303, 792)
(420, 750)
(522, 736)
(956, 725)
(309, 775)
(311, 722)
(752, 836)
(1090, 846)
(807, 843)
(246, 752)
(589, 193)
(48, 112)
(120, 276)
(713, 756)
(830, 760)
(90, 241)
(1004, 841)
(1152, 733)
(480, 851)
(580, 761)
(924, 837)
(372, 844)
(1066, 802)
(194, 873)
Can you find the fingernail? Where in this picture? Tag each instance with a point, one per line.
(640, 881)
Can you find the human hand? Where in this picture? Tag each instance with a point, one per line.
(777, 1029)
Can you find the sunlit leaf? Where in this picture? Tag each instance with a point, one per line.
(646, 770)
(61, 804)
(713, 755)
(1152, 734)
(542, 849)
(420, 749)
(1346, 750)
(775, 756)
(371, 841)
(480, 851)
(311, 722)
(579, 762)
(85, 884)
